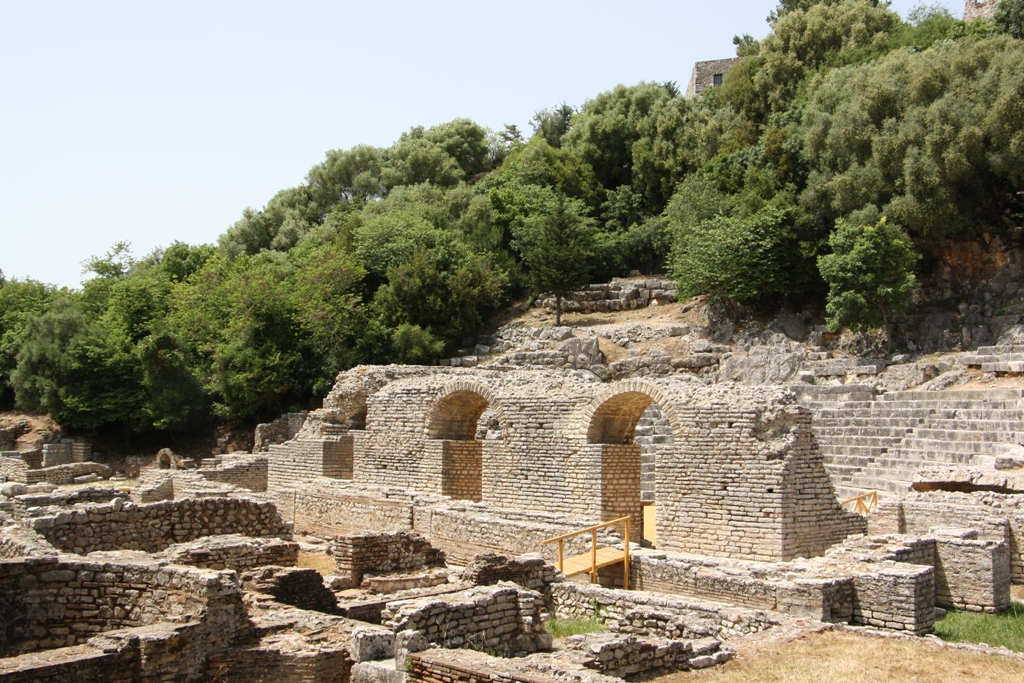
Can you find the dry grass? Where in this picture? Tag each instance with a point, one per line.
(841, 657)
(322, 562)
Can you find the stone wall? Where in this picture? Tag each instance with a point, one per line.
(462, 469)
(897, 596)
(753, 585)
(972, 574)
(65, 452)
(300, 587)
(19, 542)
(743, 475)
(282, 429)
(245, 471)
(234, 552)
(618, 295)
(463, 533)
(51, 603)
(379, 553)
(329, 508)
(503, 618)
(704, 73)
(27, 468)
(979, 9)
(296, 462)
(430, 667)
(73, 665)
(703, 619)
(528, 571)
(153, 527)
(995, 516)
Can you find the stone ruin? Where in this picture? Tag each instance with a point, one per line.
(426, 492)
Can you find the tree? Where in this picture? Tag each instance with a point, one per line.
(870, 274)
(19, 301)
(935, 139)
(445, 290)
(556, 245)
(1009, 17)
(552, 124)
(416, 160)
(735, 259)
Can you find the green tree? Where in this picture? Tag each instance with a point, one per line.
(552, 124)
(1009, 17)
(238, 320)
(414, 160)
(870, 274)
(19, 301)
(446, 290)
(413, 344)
(936, 138)
(735, 259)
(556, 245)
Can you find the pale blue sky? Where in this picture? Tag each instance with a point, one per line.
(156, 121)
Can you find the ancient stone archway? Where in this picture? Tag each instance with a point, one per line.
(630, 424)
(455, 419)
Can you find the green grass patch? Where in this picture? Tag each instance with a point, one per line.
(1005, 629)
(562, 628)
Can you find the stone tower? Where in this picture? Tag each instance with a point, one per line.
(979, 9)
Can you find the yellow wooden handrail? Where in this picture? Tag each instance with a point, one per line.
(593, 548)
(862, 507)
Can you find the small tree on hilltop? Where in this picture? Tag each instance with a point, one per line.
(557, 246)
(870, 274)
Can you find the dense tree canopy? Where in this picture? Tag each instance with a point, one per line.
(843, 113)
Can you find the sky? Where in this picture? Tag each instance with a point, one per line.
(151, 122)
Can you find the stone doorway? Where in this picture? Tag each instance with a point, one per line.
(628, 447)
(456, 421)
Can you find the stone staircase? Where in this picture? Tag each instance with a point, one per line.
(879, 445)
(1000, 359)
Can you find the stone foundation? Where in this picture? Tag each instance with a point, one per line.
(153, 527)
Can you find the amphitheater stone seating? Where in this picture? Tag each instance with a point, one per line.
(878, 445)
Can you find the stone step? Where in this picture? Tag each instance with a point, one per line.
(932, 458)
(940, 446)
(876, 431)
(956, 395)
(963, 435)
(1008, 348)
(993, 414)
(831, 451)
(981, 360)
(968, 425)
(1003, 366)
(951, 405)
(833, 422)
(884, 413)
(829, 442)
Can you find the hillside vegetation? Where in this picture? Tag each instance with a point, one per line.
(848, 135)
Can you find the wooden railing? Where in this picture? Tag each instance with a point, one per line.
(865, 503)
(608, 556)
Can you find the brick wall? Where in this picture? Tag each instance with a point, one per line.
(247, 471)
(741, 475)
(49, 603)
(462, 469)
(703, 619)
(996, 516)
(296, 462)
(153, 527)
(358, 554)
(502, 618)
